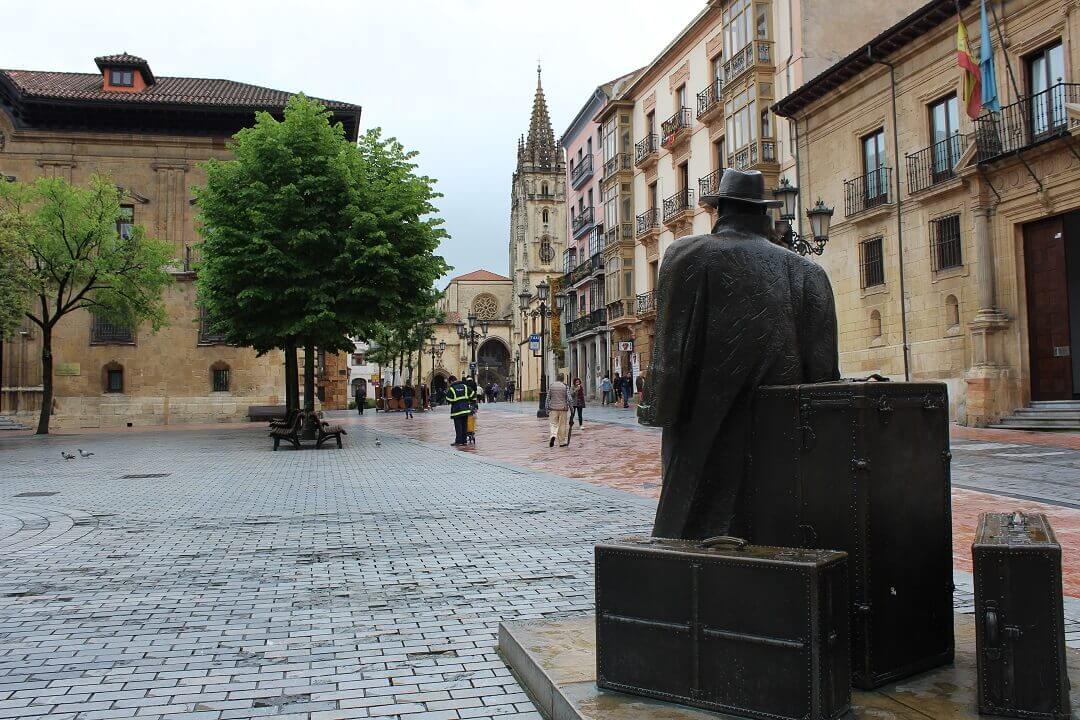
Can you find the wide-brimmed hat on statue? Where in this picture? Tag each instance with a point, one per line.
(743, 186)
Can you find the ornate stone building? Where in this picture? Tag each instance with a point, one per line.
(149, 133)
(953, 251)
(537, 225)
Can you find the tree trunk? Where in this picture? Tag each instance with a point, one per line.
(309, 377)
(46, 380)
(291, 369)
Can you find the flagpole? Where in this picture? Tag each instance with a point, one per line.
(1001, 41)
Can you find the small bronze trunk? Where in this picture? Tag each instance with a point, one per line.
(753, 631)
(1019, 613)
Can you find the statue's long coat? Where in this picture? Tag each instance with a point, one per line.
(734, 311)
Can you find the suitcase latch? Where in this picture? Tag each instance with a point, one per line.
(931, 401)
(884, 407)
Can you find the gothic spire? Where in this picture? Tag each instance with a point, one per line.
(540, 147)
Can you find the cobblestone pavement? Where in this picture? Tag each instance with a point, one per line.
(366, 582)
(196, 574)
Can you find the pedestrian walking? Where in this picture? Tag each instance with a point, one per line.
(577, 397)
(558, 405)
(509, 392)
(627, 390)
(460, 397)
(360, 396)
(605, 391)
(495, 392)
(408, 394)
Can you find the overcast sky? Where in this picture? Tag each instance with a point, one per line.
(453, 79)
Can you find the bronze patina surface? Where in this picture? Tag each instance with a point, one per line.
(556, 662)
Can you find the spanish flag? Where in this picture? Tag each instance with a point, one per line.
(969, 71)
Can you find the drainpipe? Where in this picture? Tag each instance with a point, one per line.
(798, 171)
(899, 207)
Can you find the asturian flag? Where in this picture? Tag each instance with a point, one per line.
(986, 63)
(969, 71)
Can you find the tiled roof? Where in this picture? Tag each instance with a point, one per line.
(124, 60)
(86, 87)
(482, 275)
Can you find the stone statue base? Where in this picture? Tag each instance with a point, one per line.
(555, 661)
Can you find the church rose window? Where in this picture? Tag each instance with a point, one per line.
(486, 307)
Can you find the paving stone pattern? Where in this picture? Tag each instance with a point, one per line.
(366, 582)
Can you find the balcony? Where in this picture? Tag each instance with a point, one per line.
(678, 206)
(646, 304)
(1025, 123)
(867, 191)
(582, 221)
(580, 273)
(596, 264)
(709, 185)
(647, 150)
(676, 128)
(619, 163)
(585, 323)
(756, 52)
(206, 336)
(933, 165)
(619, 233)
(647, 222)
(748, 156)
(582, 172)
(710, 101)
(621, 311)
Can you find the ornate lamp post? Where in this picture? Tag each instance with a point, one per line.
(517, 373)
(820, 218)
(436, 349)
(543, 312)
(470, 335)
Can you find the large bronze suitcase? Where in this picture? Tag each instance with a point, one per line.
(752, 631)
(864, 467)
(1020, 618)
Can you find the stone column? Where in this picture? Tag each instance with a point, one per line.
(991, 386)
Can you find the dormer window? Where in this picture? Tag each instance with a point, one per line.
(122, 78)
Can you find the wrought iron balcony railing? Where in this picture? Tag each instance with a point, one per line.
(621, 161)
(588, 322)
(582, 220)
(674, 125)
(206, 336)
(596, 263)
(759, 51)
(646, 304)
(646, 149)
(867, 191)
(583, 271)
(620, 310)
(1028, 121)
(709, 184)
(582, 171)
(934, 164)
(678, 204)
(710, 99)
(617, 233)
(648, 221)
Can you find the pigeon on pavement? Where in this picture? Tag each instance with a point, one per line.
(85, 454)
(66, 455)
(378, 442)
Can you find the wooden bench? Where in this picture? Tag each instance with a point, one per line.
(328, 431)
(285, 422)
(291, 433)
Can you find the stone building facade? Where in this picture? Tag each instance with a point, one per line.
(955, 248)
(538, 226)
(702, 105)
(597, 158)
(149, 134)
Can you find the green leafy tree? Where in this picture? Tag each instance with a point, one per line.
(13, 282)
(72, 257)
(309, 239)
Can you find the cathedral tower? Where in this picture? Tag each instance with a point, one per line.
(538, 202)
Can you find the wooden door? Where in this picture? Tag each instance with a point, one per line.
(1049, 341)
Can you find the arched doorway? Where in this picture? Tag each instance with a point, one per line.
(438, 387)
(492, 363)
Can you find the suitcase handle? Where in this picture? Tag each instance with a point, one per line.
(723, 540)
(876, 377)
(992, 629)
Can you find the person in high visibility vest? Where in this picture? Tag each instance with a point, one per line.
(460, 396)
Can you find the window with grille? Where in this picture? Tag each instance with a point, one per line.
(126, 221)
(114, 380)
(104, 332)
(872, 262)
(945, 242)
(221, 379)
(206, 335)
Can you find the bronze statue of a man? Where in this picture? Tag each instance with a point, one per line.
(734, 311)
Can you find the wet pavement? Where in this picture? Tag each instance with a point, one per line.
(993, 470)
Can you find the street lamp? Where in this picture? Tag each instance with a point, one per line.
(820, 218)
(543, 311)
(473, 337)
